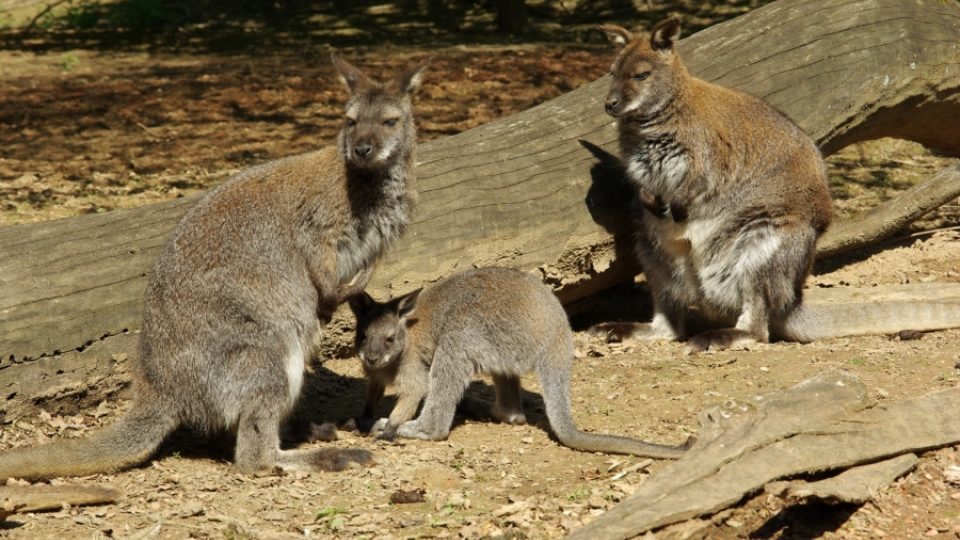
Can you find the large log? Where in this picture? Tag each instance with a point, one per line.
(537, 190)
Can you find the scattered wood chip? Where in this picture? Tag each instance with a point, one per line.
(635, 467)
(37, 498)
(909, 335)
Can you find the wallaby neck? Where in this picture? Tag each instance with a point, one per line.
(381, 203)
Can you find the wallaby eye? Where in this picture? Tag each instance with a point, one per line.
(390, 122)
(351, 122)
(641, 76)
(390, 340)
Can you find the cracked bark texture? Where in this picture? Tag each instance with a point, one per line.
(540, 190)
(824, 423)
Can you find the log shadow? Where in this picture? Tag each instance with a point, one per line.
(805, 521)
(326, 397)
(610, 202)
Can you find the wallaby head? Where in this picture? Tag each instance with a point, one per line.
(381, 335)
(647, 74)
(378, 126)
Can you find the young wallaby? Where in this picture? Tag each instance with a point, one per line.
(746, 198)
(494, 321)
(232, 307)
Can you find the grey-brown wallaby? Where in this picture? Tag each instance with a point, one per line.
(494, 321)
(747, 198)
(232, 307)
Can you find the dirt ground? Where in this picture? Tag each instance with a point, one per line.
(88, 132)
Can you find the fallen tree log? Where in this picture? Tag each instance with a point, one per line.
(825, 423)
(526, 191)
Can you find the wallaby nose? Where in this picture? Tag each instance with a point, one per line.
(611, 103)
(363, 149)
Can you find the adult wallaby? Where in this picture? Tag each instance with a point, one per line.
(232, 307)
(494, 321)
(746, 193)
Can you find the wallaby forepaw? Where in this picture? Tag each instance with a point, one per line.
(611, 332)
(326, 432)
(720, 340)
(335, 459)
(619, 332)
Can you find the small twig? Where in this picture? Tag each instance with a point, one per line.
(918, 234)
(43, 12)
(635, 467)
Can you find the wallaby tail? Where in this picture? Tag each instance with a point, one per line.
(822, 321)
(127, 442)
(556, 396)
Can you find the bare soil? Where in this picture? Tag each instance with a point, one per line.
(90, 132)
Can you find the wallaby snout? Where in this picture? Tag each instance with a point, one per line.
(613, 99)
(363, 149)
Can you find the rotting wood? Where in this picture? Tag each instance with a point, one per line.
(38, 498)
(538, 190)
(821, 424)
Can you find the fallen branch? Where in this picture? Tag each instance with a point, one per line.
(822, 424)
(37, 498)
(887, 218)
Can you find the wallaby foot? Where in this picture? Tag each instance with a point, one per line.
(369, 425)
(509, 406)
(413, 430)
(718, 340)
(324, 459)
(382, 430)
(510, 417)
(618, 332)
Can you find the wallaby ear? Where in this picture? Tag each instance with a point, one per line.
(351, 76)
(664, 34)
(411, 78)
(406, 304)
(360, 304)
(617, 35)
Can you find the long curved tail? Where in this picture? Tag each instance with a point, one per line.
(556, 397)
(127, 442)
(810, 322)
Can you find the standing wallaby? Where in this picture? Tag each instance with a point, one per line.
(745, 198)
(232, 307)
(494, 321)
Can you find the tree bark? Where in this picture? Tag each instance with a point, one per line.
(540, 190)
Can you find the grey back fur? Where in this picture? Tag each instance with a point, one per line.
(493, 321)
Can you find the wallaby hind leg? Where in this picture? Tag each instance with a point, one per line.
(753, 326)
(668, 324)
(450, 375)
(258, 436)
(509, 405)
(258, 446)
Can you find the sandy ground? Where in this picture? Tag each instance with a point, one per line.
(84, 132)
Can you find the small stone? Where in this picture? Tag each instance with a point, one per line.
(457, 500)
